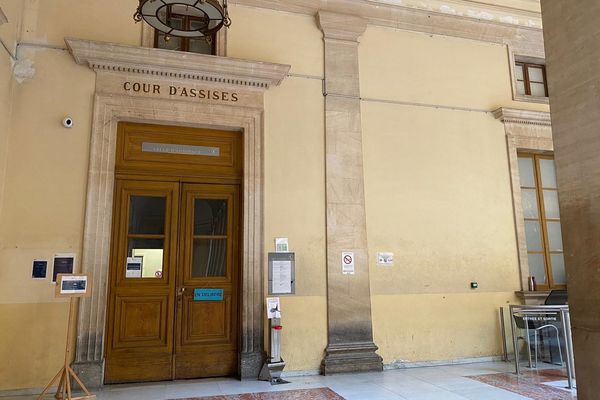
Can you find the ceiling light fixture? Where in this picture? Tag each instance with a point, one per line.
(207, 16)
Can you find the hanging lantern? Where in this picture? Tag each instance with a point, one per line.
(207, 16)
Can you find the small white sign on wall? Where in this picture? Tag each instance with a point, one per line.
(347, 263)
(281, 245)
(273, 308)
(385, 259)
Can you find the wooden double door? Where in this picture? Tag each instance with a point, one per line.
(174, 281)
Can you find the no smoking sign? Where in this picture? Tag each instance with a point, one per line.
(347, 263)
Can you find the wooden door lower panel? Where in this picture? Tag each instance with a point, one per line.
(136, 367)
(208, 344)
(215, 362)
(142, 345)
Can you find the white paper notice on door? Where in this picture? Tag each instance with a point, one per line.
(134, 267)
(282, 277)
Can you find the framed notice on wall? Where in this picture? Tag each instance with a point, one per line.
(282, 279)
(73, 285)
(63, 264)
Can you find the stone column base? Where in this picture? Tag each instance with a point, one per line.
(91, 373)
(250, 365)
(351, 357)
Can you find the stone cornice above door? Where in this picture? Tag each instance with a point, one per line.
(101, 56)
(514, 115)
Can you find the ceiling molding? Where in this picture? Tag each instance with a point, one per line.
(527, 40)
(101, 56)
(526, 117)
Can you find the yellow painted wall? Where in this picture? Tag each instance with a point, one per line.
(33, 343)
(42, 211)
(429, 327)
(9, 33)
(418, 68)
(49, 22)
(294, 167)
(438, 195)
(266, 35)
(295, 208)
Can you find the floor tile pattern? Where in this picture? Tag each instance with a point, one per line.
(532, 384)
(308, 394)
(450, 382)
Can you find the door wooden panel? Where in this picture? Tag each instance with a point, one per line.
(206, 341)
(142, 321)
(141, 300)
(223, 164)
(206, 322)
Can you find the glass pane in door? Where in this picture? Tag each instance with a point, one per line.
(145, 258)
(210, 217)
(209, 258)
(147, 215)
(146, 236)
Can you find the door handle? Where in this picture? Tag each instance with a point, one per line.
(180, 291)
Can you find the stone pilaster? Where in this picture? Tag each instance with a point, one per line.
(571, 33)
(350, 345)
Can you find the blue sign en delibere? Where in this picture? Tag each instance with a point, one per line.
(208, 294)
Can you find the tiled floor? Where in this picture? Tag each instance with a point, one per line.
(433, 383)
(540, 384)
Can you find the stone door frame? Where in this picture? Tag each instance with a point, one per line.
(115, 64)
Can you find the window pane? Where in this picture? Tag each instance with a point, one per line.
(172, 43)
(554, 236)
(519, 72)
(535, 74)
(548, 173)
(209, 258)
(147, 215)
(537, 89)
(165, 15)
(521, 87)
(530, 205)
(210, 217)
(183, 9)
(551, 204)
(526, 172)
(200, 46)
(151, 252)
(533, 236)
(558, 269)
(537, 267)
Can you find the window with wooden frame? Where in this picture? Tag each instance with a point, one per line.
(539, 196)
(531, 79)
(188, 23)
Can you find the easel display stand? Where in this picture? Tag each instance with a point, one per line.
(65, 388)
